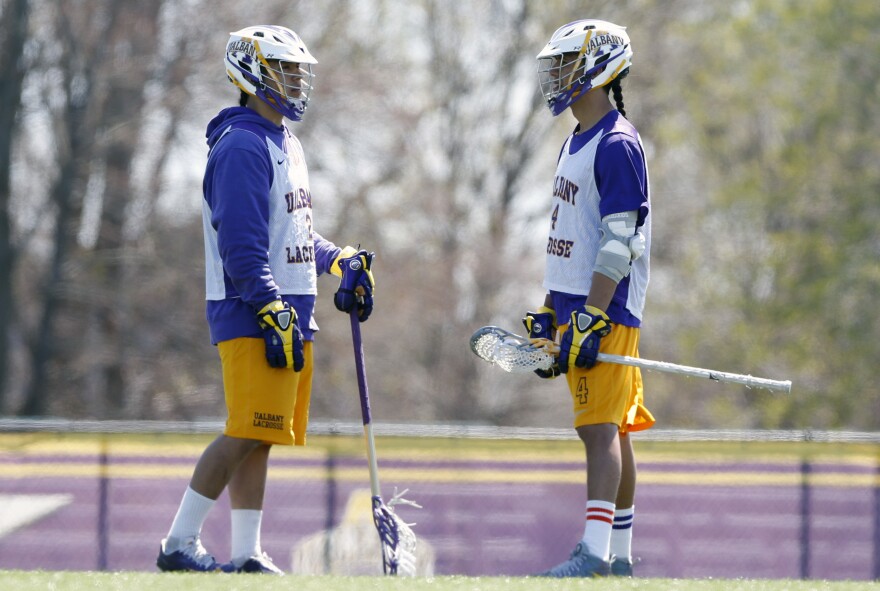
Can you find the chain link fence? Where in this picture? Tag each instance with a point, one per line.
(78, 495)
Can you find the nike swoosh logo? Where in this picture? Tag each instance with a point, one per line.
(280, 162)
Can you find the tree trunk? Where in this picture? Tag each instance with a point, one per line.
(15, 24)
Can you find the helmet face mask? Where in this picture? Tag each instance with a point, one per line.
(286, 87)
(560, 72)
(274, 65)
(581, 56)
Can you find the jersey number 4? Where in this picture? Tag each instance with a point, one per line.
(582, 391)
(554, 217)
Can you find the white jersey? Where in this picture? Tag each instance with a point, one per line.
(291, 243)
(291, 251)
(577, 211)
(257, 215)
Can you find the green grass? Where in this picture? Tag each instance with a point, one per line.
(131, 581)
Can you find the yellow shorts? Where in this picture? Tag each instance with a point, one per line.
(608, 392)
(263, 402)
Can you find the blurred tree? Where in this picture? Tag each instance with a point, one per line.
(14, 21)
(783, 103)
(427, 143)
(131, 40)
(446, 152)
(106, 53)
(76, 63)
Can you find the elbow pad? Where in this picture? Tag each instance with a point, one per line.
(620, 244)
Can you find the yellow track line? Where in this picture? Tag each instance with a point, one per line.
(443, 475)
(573, 453)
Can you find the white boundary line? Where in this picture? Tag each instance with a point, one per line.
(444, 431)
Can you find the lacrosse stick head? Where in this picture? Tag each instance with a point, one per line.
(397, 539)
(509, 351)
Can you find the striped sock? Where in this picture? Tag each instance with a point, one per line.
(597, 531)
(621, 533)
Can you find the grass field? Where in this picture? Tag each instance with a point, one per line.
(130, 581)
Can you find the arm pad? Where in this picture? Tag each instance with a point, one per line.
(620, 244)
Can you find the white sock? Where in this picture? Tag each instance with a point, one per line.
(597, 531)
(245, 534)
(190, 517)
(622, 533)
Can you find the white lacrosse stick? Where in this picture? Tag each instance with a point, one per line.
(517, 354)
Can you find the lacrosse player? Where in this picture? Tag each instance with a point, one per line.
(596, 277)
(262, 258)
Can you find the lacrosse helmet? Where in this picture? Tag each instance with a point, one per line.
(580, 56)
(273, 64)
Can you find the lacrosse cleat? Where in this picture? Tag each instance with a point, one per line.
(260, 564)
(188, 555)
(622, 567)
(580, 564)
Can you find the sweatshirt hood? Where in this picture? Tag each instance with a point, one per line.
(231, 115)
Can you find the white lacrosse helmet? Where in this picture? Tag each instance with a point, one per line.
(568, 64)
(273, 64)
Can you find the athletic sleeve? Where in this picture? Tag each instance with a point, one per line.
(240, 215)
(621, 176)
(325, 253)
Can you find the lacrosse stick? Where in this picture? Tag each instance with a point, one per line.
(517, 354)
(395, 535)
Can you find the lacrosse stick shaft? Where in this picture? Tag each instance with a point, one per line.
(697, 372)
(364, 390)
(685, 370)
(515, 353)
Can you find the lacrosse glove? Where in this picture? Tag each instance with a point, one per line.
(542, 325)
(356, 286)
(284, 344)
(580, 343)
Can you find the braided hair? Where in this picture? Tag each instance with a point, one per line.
(616, 89)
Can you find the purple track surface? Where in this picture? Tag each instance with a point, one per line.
(701, 528)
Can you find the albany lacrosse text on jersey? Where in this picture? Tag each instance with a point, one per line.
(560, 248)
(590, 184)
(564, 189)
(299, 199)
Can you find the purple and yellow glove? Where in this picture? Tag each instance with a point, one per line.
(284, 344)
(580, 343)
(356, 282)
(542, 325)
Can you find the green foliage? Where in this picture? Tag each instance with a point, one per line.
(782, 98)
(760, 119)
